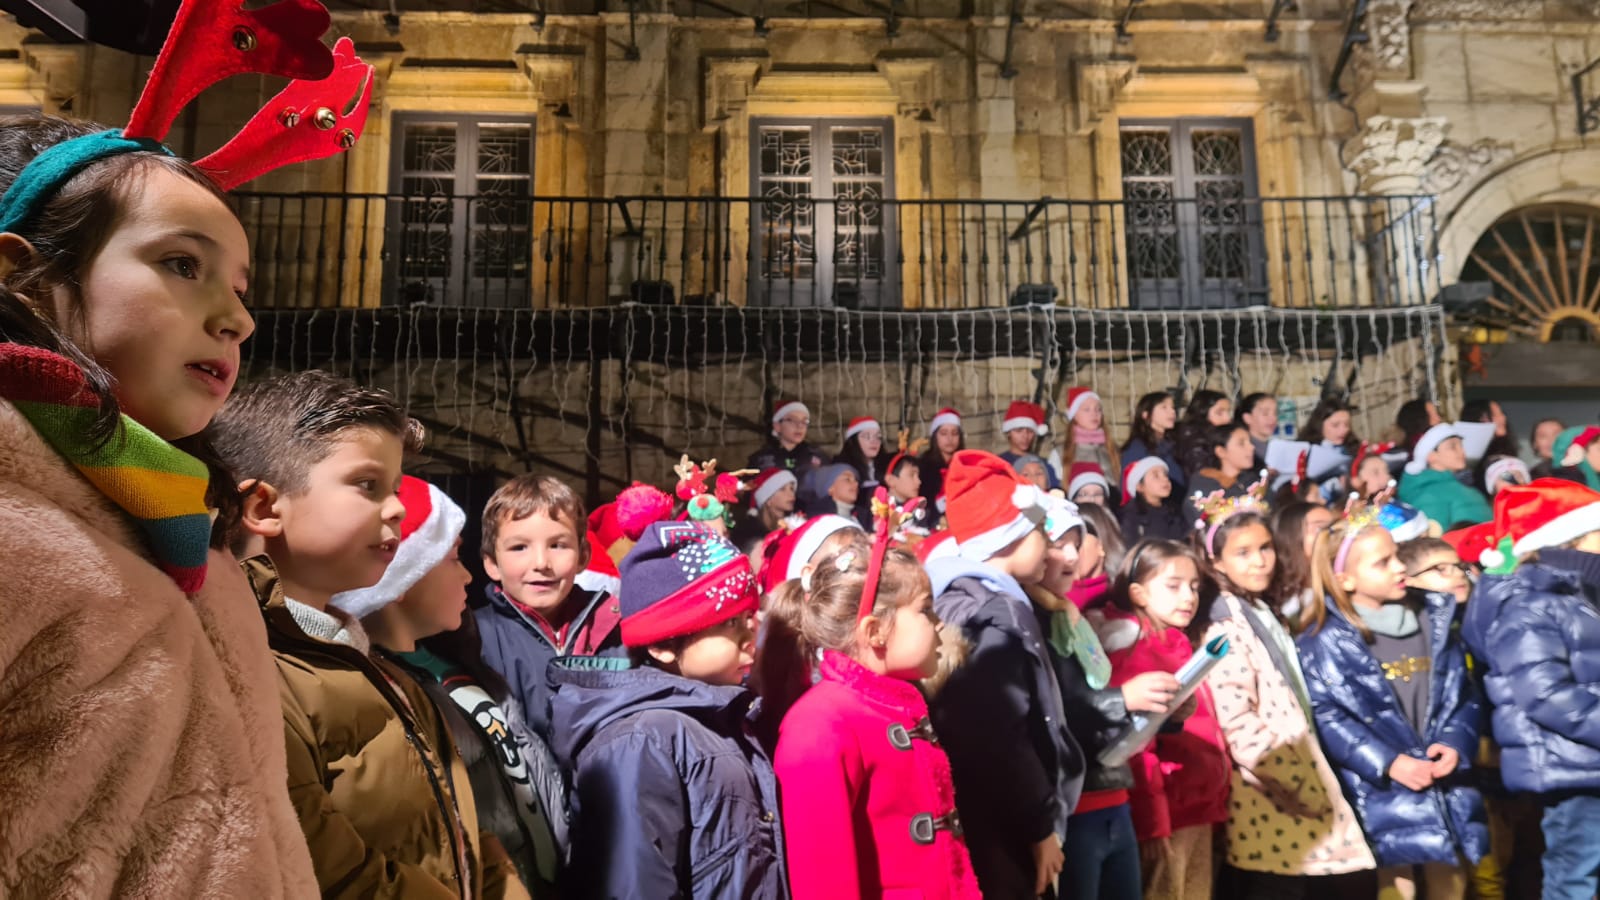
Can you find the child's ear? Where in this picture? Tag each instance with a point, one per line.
(1136, 595)
(14, 251)
(662, 654)
(491, 568)
(870, 632)
(261, 503)
(1348, 584)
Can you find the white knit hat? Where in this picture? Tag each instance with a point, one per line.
(427, 536)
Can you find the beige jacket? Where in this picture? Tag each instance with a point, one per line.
(1287, 815)
(141, 743)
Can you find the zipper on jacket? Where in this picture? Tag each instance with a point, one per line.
(572, 635)
(402, 709)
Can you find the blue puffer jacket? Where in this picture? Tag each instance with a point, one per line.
(1537, 634)
(672, 796)
(1363, 729)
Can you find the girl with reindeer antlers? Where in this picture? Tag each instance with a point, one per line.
(143, 742)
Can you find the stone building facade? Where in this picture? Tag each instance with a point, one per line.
(1368, 147)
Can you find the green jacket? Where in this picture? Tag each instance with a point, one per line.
(1443, 499)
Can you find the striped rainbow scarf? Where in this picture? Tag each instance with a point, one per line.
(159, 486)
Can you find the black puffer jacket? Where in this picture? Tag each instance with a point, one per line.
(1017, 768)
(1096, 717)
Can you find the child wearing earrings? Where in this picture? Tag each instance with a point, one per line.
(1398, 715)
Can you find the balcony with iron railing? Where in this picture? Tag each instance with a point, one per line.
(508, 252)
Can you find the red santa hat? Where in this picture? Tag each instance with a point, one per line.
(860, 424)
(787, 552)
(1076, 398)
(1548, 513)
(1429, 442)
(769, 483)
(988, 505)
(1134, 472)
(1471, 542)
(1083, 474)
(1022, 414)
(428, 535)
(936, 545)
(600, 576)
(943, 417)
(786, 408)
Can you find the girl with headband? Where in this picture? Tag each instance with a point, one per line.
(868, 802)
(130, 636)
(1290, 831)
(1398, 715)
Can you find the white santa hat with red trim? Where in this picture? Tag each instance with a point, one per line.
(428, 535)
(1076, 398)
(785, 409)
(988, 505)
(600, 576)
(769, 483)
(1134, 472)
(946, 416)
(1022, 414)
(860, 424)
(1429, 442)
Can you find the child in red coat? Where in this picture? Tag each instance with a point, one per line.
(868, 801)
(1181, 778)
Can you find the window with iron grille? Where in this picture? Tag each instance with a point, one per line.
(822, 233)
(460, 211)
(1192, 227)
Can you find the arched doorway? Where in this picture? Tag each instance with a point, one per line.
(1542, 266)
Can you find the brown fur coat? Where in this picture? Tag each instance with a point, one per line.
(141, 742)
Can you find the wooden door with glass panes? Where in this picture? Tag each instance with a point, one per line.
(821, 233)
(1192, 218)
(460, 212)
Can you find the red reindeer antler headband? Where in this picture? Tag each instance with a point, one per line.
(319, 114)
(886, 520)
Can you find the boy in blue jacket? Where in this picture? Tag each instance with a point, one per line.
(1017, 770)
(1537, 633)
(672, 795)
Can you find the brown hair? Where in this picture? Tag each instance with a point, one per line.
(67, 232)
(1414, 551)
(801, 624)
(528, 495)
(1326, 581)
(276, 429)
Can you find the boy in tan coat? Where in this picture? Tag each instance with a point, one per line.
(378, 786)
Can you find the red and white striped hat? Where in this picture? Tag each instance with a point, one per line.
(946, 416)
(860, 424)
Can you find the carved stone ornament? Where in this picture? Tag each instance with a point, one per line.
(1455, 166)
(1391, 154)
(1389, 34)
(1481, 10)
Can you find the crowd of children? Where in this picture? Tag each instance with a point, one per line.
(241, 659)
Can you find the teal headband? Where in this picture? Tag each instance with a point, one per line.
(42, 178)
